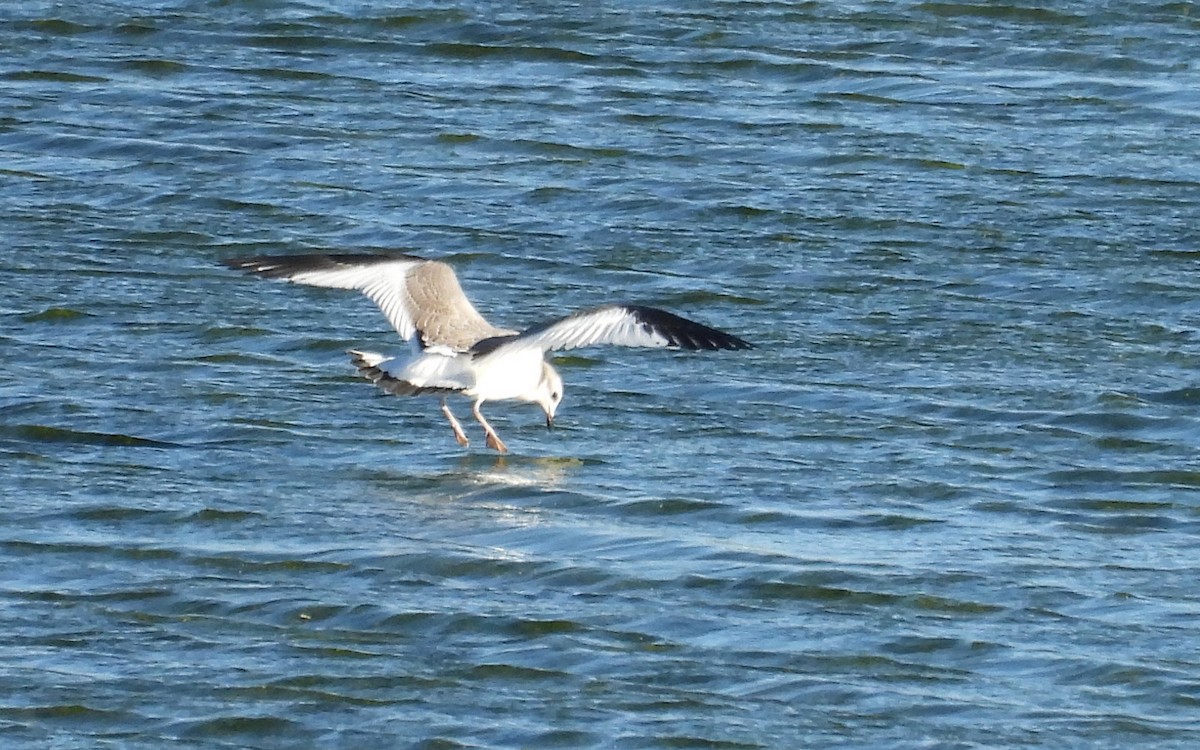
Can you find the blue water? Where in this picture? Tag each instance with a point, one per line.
(951, 500)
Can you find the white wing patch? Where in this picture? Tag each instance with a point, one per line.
(607, 325)
(421, 298)
(381, 279)
(624, 325)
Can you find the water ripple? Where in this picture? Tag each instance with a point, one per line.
(948, 500)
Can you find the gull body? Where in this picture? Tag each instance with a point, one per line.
(453, 349)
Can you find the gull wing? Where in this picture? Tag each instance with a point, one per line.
(618, 325)
(421, 298)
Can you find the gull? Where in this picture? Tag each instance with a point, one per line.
(453, 349)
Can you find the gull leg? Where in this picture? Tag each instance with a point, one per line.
(493, 440)
(459, 435)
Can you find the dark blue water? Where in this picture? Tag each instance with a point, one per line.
(951, 500)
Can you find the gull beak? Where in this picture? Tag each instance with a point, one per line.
(549, 421)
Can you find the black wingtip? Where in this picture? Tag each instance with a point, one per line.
(684, 333)
(282, 266)
(240, 264)
(271, 266)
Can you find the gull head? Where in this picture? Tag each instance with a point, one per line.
(549, 392)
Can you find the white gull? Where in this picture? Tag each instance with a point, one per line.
(454, 350)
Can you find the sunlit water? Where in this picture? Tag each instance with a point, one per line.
(951, 499)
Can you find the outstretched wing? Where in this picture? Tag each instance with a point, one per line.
(619, 325)
(421, 298)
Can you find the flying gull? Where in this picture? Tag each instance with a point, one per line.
(454, 350)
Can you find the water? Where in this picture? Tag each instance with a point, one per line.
(951, 500)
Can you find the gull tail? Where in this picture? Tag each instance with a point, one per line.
(378, 369)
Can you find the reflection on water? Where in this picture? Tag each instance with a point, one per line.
(538, 472)
(499, 491)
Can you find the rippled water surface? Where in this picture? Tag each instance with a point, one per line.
(951, 500)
